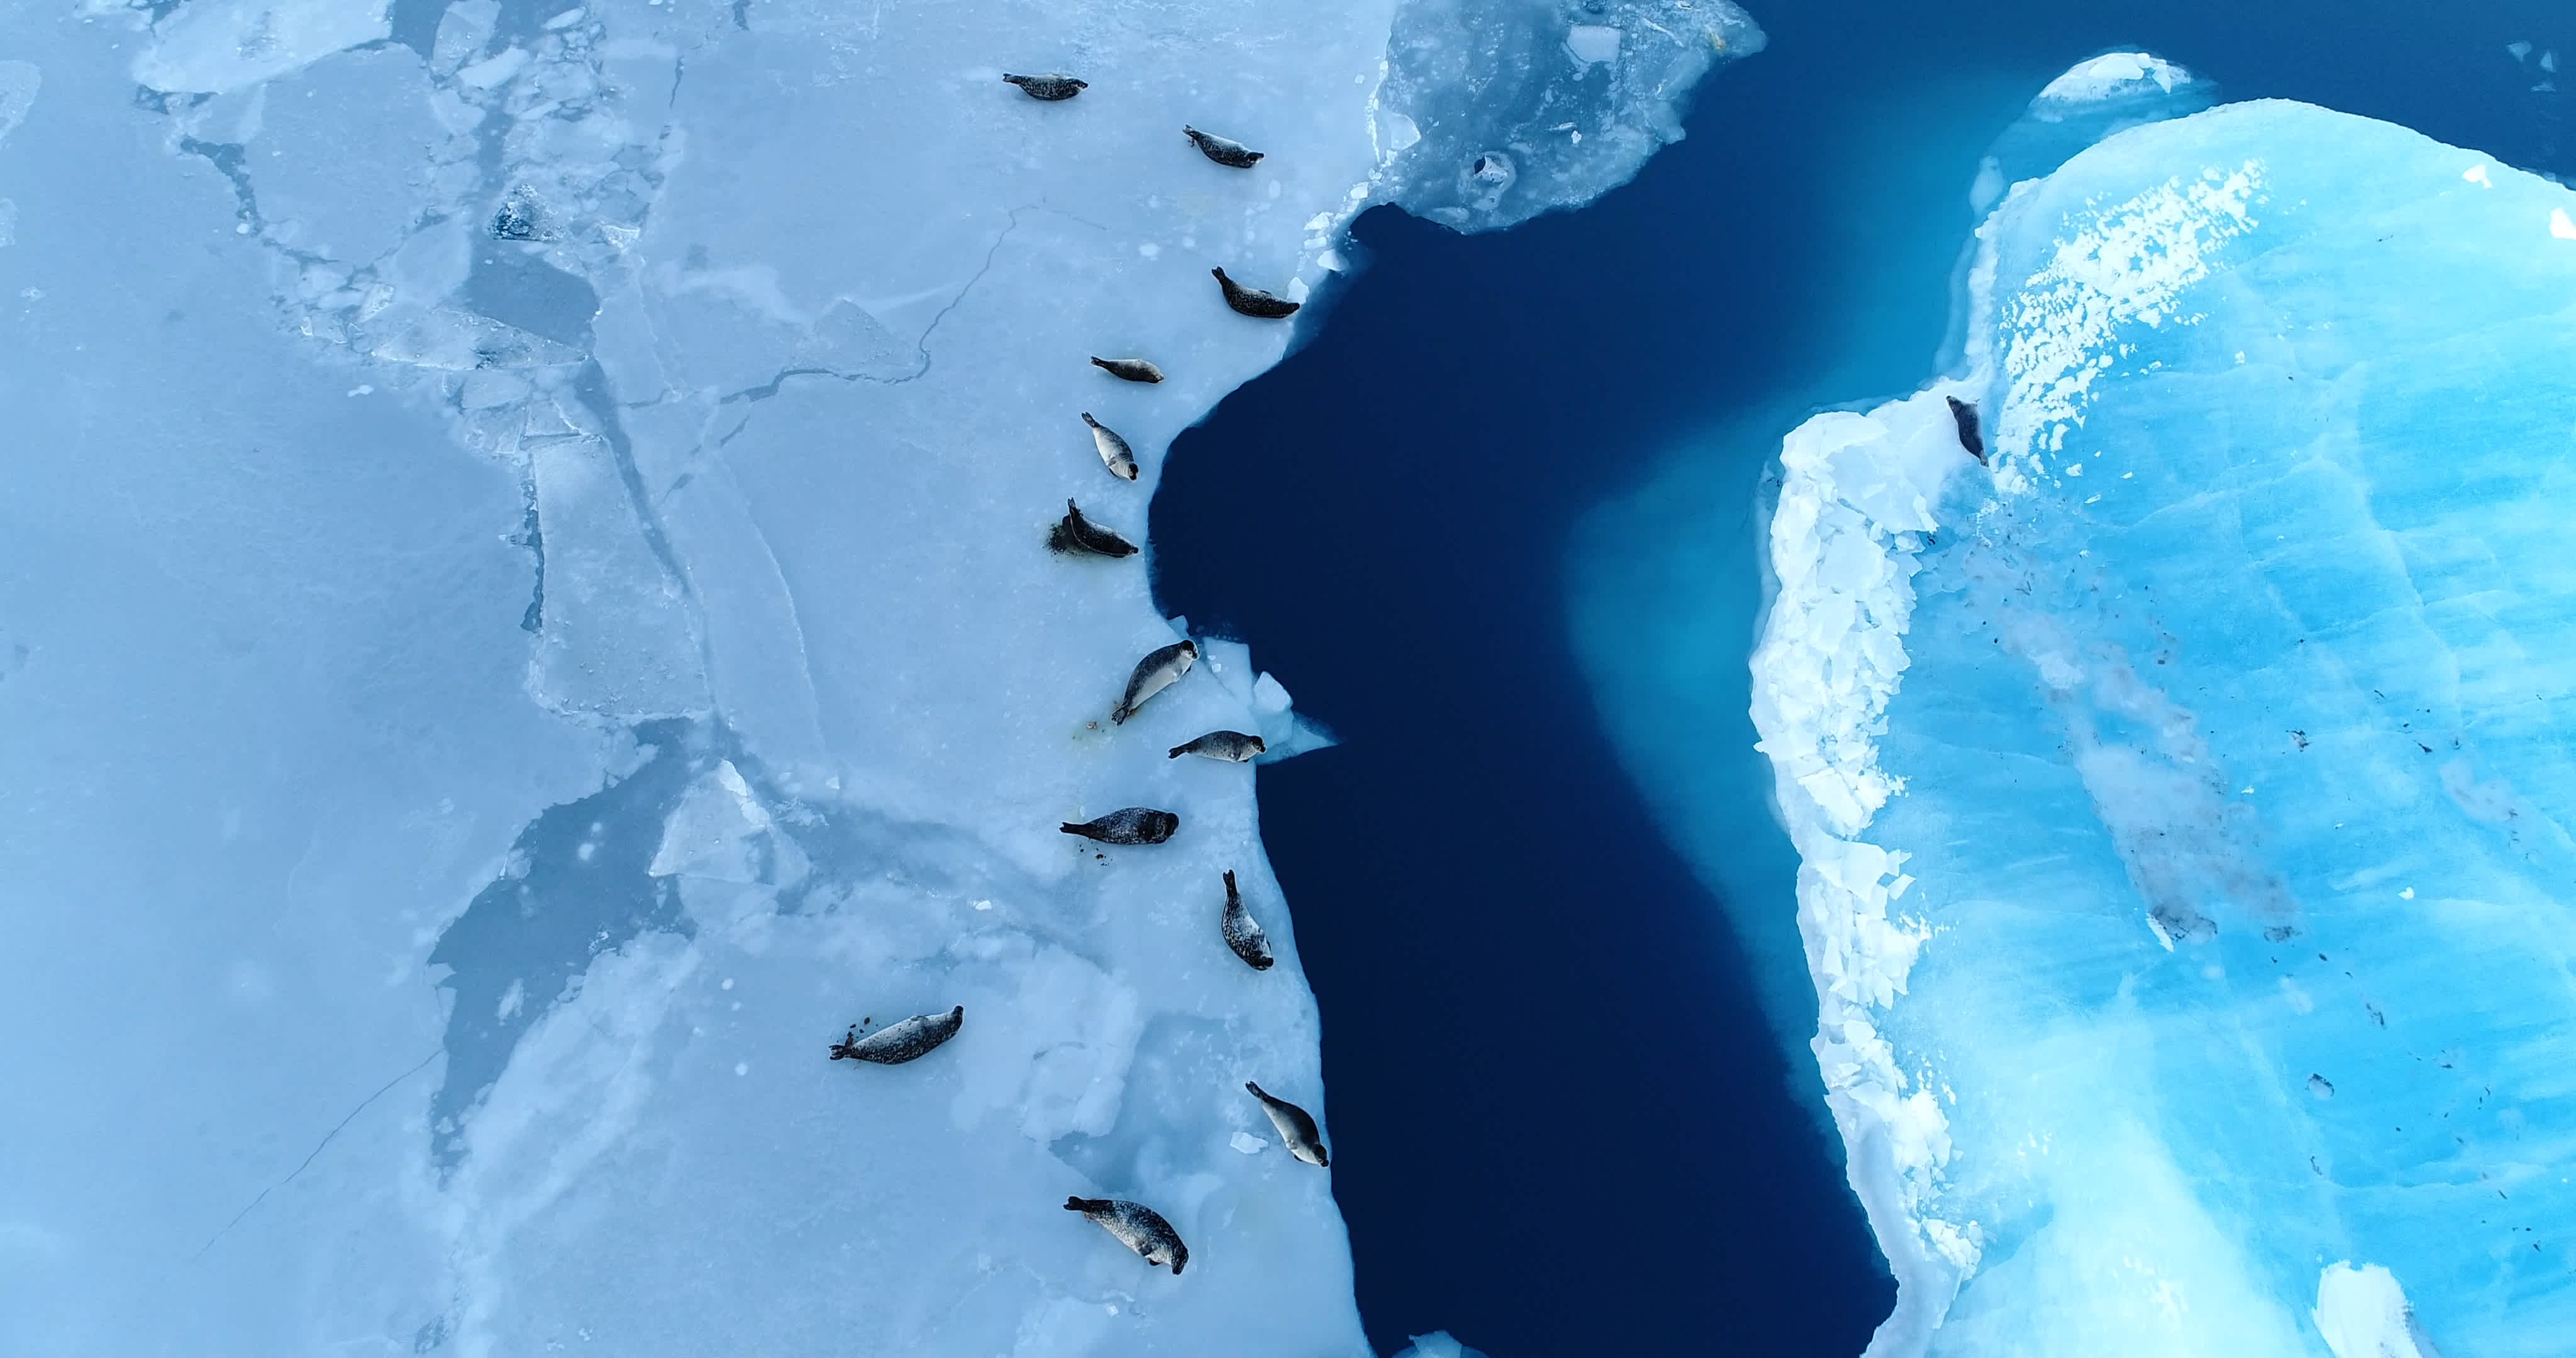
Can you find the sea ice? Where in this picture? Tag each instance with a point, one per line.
(2184, 814)
(1493, 113)
(525, 611)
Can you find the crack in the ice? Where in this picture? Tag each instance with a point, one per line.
(318, 1148)
(770, 388)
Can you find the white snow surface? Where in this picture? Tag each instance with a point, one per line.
(2362, 1313)
(524, 612)
(2180, 800)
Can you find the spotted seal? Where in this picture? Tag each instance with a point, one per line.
(1297, 1130)
(1254, 302)
(896, 1043)
(1127, 825)
(1138, 1227)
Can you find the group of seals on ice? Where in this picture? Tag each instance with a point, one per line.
(1138, 1227)
(1055, 87)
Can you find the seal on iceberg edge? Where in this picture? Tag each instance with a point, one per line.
(1242, 932)
(1160, 669)
(1297, 1130)
(1232, 746)
(1970, 437)
(1254, 302)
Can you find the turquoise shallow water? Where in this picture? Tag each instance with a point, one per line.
(1496, 523)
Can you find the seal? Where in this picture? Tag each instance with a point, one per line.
(1050, 87)
(1964, 415)
(1223, 150)
(1232, 746)
(1160, 669)
(1113, 449)
(1127, 825)
(1254, 302)
(896, 1043)
(1242, 932)
(1297, 1130)
(1130, 369)
(1138, 1227)
(1075, 535)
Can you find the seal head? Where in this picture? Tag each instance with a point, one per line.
(1965, 416)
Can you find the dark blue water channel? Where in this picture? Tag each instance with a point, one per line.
(1563, 1124)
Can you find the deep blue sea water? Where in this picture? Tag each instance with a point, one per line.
(1495, 525)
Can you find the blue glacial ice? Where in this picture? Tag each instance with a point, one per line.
(2183, 811)
(524, 610)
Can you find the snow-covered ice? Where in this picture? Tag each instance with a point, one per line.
(525, 610)
(2183, 806)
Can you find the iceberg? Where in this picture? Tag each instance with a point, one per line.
(526, 614)
(2177, 786)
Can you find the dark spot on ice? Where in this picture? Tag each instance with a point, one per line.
(415, 25)
(515, 220)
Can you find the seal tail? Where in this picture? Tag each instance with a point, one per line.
(1072, 829)
(1086, 1204)
(1177, 752)
(1255, 1088)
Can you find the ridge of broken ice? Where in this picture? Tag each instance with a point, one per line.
(2178, 801)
